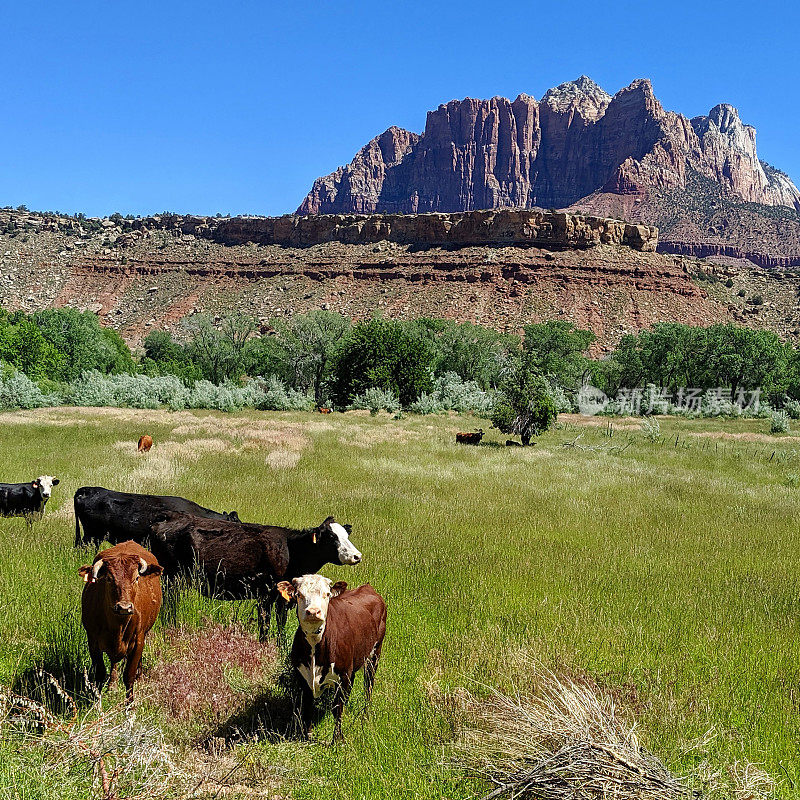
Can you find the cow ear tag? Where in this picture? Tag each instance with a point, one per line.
(314, 537)
(284, 592)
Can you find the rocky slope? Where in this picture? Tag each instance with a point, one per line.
(576, 147)
(501, 269)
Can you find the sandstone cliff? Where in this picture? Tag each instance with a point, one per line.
(576, 142)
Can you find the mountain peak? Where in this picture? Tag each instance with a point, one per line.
(573, 92)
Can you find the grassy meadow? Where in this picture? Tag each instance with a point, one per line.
(666, 571)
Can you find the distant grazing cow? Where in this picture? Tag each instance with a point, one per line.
(323, 410)
(119, 605)
(240, 560)
(119, 516)
(340, 632)
(145, 443)
(470, 438)
(26, 499)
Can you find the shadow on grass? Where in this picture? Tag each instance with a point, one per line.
(61, 666)
(272, 715)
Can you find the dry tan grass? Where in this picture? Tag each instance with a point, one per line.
(564, 738)
(620, 423)
(282, 459)
(745, 436)
(367, 437)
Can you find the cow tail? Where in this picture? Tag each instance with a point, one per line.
(78, 537)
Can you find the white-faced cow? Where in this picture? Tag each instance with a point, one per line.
(26, 499)
(242, 560)
(119, 605)
(340, 633)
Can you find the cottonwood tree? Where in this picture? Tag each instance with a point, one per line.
(309, 343)
(219, 351)
(523, 405)
(385, 354)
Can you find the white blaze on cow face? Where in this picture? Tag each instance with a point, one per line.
(348, 553)
(45, 484)
(313, 595)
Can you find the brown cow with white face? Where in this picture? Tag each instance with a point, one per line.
(340, 632)
(119, 605)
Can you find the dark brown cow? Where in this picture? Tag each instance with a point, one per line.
(340, 632)
(470, 438)
(119, 605)
(145, 443)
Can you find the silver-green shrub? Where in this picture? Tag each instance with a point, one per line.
(375, 400)
(451, 393)
(779, 422)
(17, 390)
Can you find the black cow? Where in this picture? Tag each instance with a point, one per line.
(241, 560)
(122, 516)
(26, 499)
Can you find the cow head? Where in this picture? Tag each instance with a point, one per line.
(313, 593)
(119, 578)
(45, 484)
(333, 540)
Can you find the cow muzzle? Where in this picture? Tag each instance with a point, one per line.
(123, 609)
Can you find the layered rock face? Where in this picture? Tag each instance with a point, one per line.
(503, 227)
(577, 140)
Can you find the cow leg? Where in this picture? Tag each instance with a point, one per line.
(281, 615)
(339, 702)
(98, 666)
(132, 666)
(306, 710)
(264, 606)
(370, 668)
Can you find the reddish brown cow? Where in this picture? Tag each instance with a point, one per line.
(470, 438)
(323, 410)
(145, 443)
(340, 632)
(119, 605)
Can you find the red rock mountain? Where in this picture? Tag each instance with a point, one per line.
(577, 143)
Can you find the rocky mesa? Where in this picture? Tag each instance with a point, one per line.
(498, 268)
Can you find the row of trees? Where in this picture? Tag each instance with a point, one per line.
(325, 356)
(61, 344)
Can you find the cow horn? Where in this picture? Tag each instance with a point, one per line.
(98, 565)
(142, 566)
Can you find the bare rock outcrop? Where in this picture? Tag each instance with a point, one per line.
(576, 141)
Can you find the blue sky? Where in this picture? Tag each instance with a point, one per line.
(236, 107)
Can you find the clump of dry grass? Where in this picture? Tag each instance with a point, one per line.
(209, 675)
(565, 739)
(121, 753)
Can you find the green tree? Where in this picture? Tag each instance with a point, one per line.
(473, 352)
(163, 355)
(220, 352)
(84, 343)
(309, 343)
(558, 349)
(386, 354)
(24, 347)
(523, 405)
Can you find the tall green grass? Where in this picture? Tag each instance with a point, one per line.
(666, 569)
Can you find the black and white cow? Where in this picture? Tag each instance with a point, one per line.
(26, 499)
